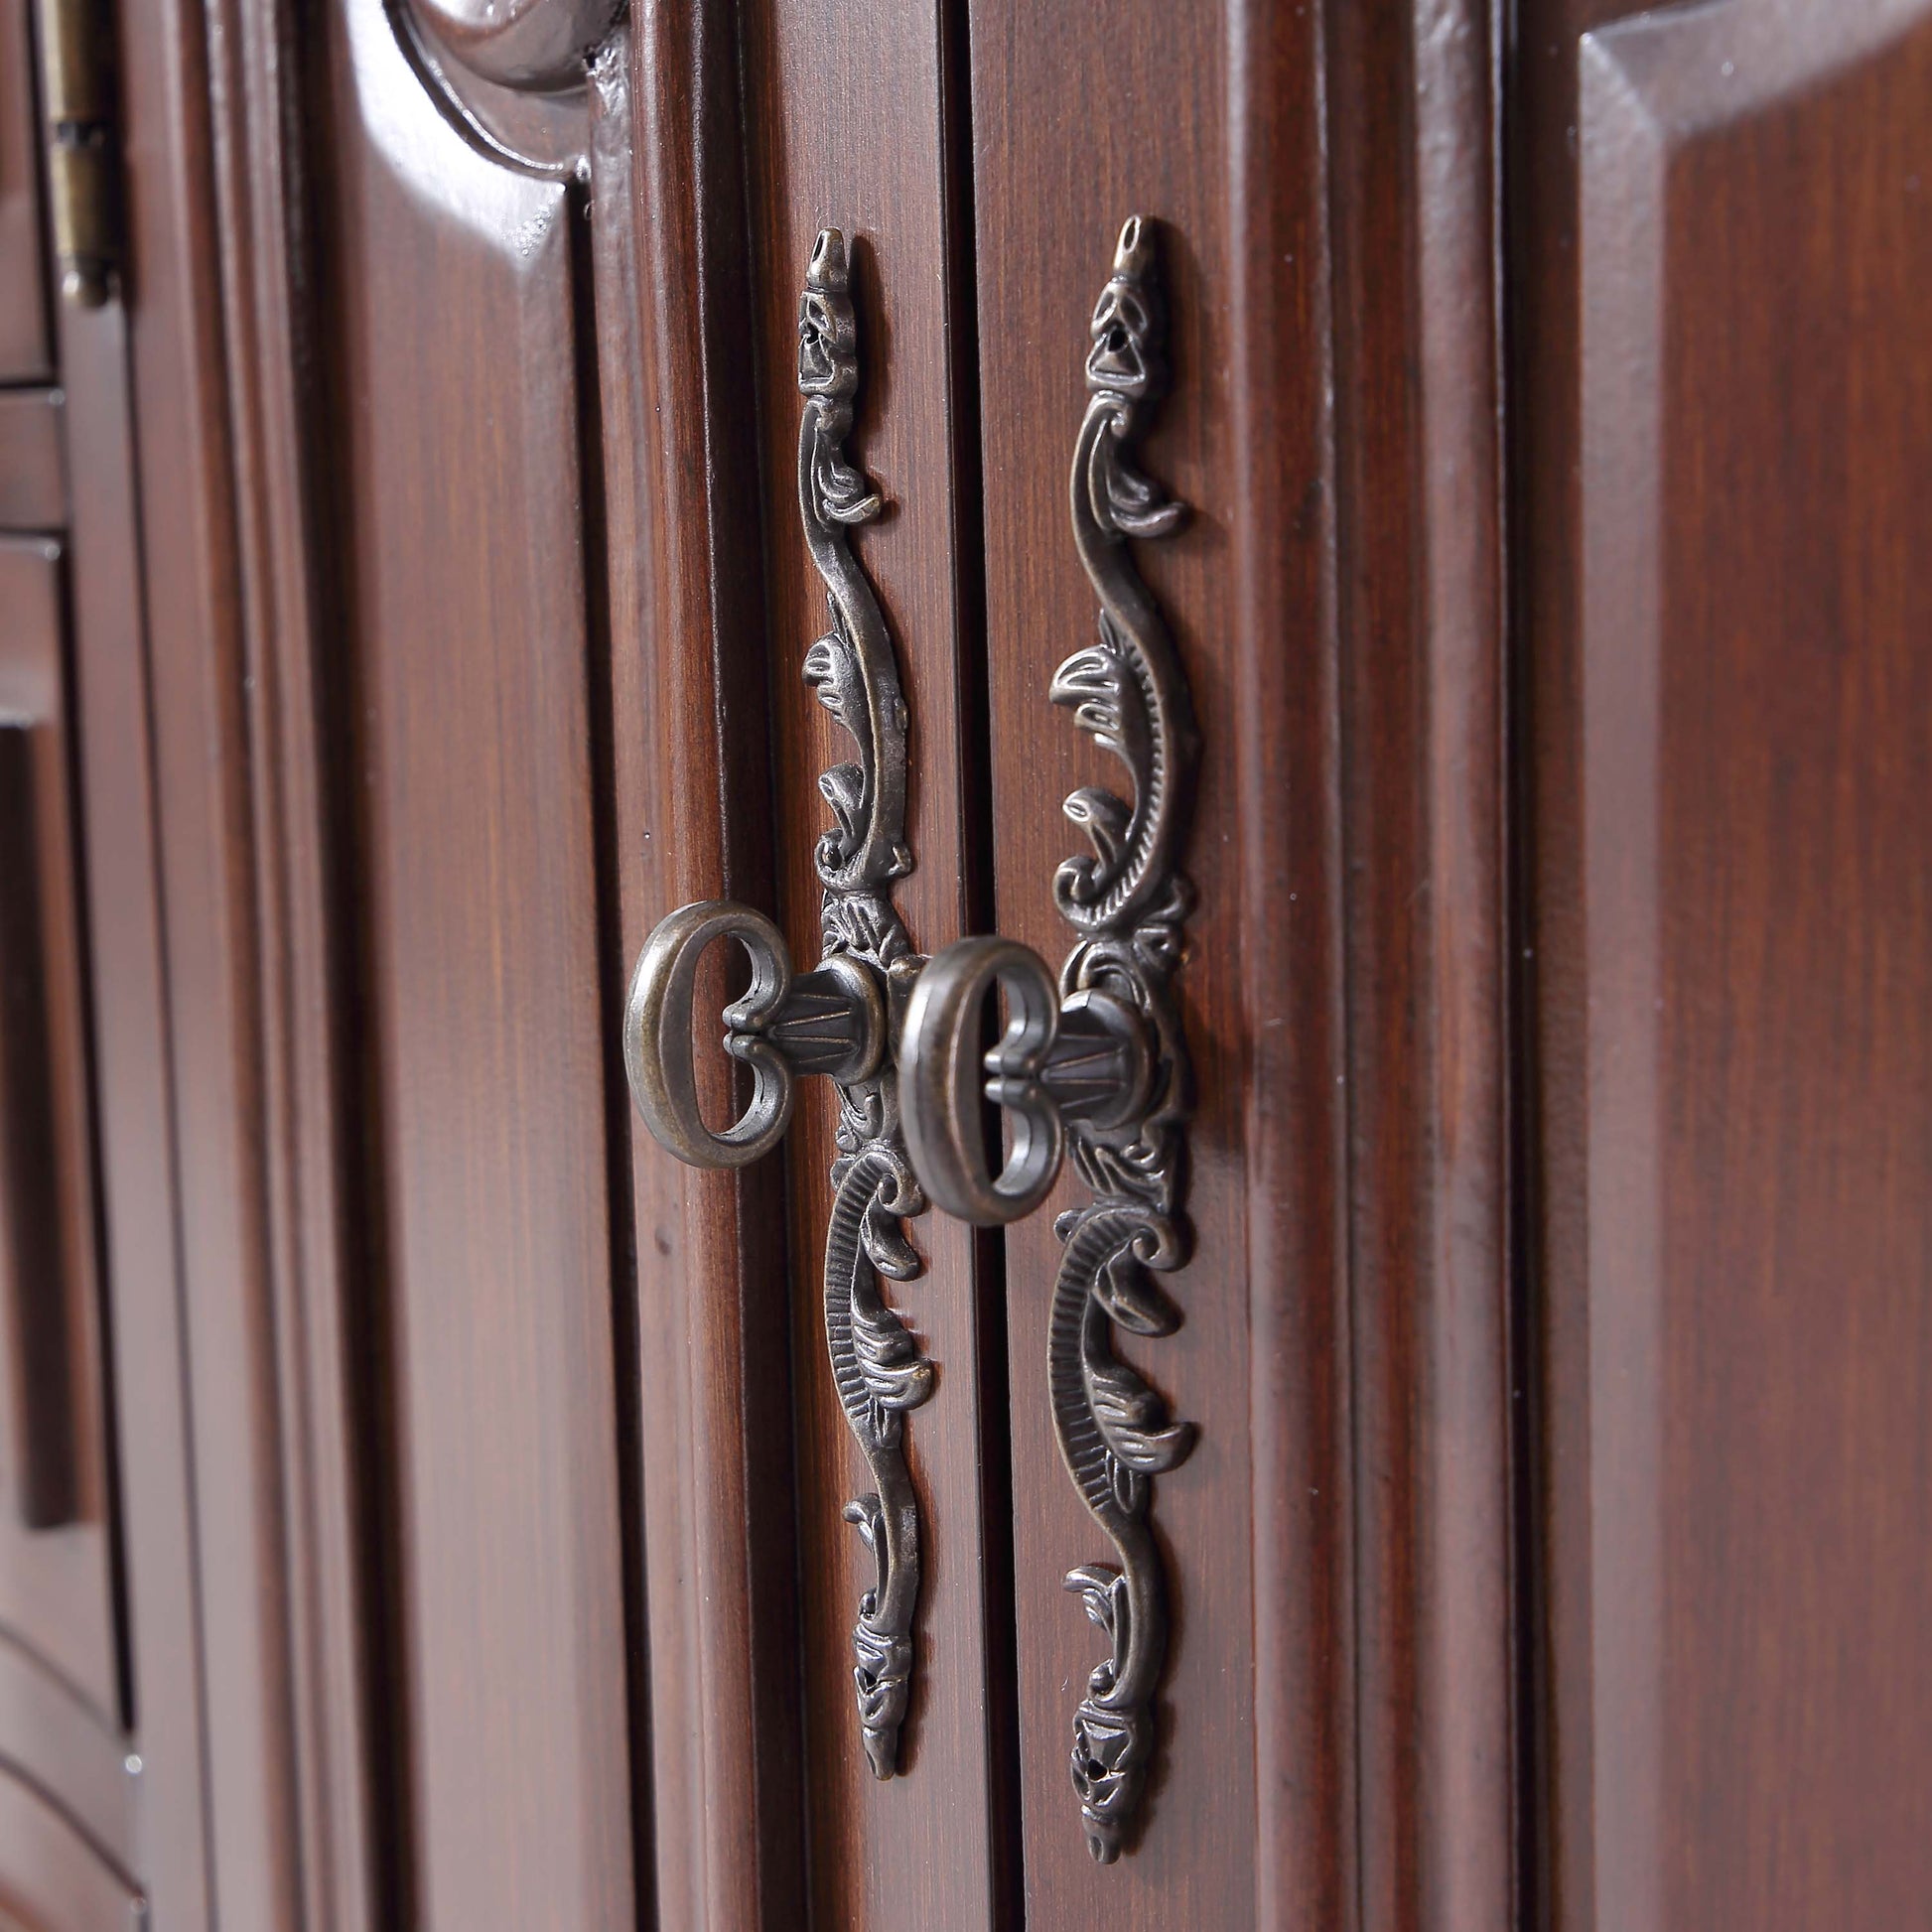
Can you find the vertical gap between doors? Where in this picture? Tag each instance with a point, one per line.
(733, 300)
(1527, 1608)
(975, 764)
(622, 1228)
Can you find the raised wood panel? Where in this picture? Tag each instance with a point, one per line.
(852, 127)
(1420, 592)
(691, 785)
(1732, 942)
(457, 477)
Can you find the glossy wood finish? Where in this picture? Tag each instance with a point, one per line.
(33, 465)
(853, 122)
(190, 487)
(481, 1116)
(26, 353)
(440, 628)
(1282, 711)
(38, 1263)
(688, 738)
(313, 1246)
(1729, 684)
(1419, 585)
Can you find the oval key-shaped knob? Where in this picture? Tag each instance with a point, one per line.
(1083, 1056)
(657, 1046)
(832, 1020)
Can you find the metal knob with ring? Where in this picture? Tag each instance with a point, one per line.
(1083, 1055)
(831, 1021)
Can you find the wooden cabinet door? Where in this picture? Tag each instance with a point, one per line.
(1343, 978)
(1727, 420)
(510, 666)
(856, 122)
(467, 374)
(442, 615)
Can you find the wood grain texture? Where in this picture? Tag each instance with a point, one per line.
(57, 1602)
(692, 811)
(458, 481)
(1420, 504)
(849, 128)
(1285, 741)
(32, 463)
(302, 944)
(26, 347)
(1731, 943)
(1210, 125)
(51, 1877)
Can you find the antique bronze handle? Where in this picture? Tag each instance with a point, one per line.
(832, 1020)
(1097, 1061)
(1086, 1060)
(1094, 1063)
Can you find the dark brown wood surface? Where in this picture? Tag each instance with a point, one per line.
(456, 483)
(202, 497)
(25, 348)
(723, 1806)
(1080, 121)
(1725, 624)
(1420, 590)
(56, 1585)
(852, 121)
(435, 602)
(77, 1760)
(301, 950)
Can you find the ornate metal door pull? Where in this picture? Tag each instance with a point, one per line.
(1100, 1061)
(833, 1020)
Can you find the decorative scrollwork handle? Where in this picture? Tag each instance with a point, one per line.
(832, 1020)
(1098, 1064)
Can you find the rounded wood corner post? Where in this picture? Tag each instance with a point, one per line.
(1289, 783)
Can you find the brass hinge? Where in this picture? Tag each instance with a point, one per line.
(82, 152)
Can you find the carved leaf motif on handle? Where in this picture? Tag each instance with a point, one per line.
(1128, 901)
(834, 1019)
(880, 1372)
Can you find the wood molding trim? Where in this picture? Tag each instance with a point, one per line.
(687, 648)
(1415, 194)
(1295, 1119)
(259, 186)
(217, 227)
